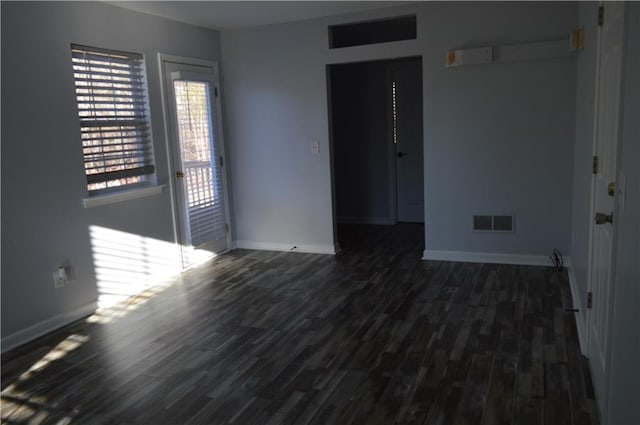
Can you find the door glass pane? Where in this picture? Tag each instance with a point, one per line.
(197, 148)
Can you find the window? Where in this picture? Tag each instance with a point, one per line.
(115, 128)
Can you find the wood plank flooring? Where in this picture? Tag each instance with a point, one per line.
(373, 335)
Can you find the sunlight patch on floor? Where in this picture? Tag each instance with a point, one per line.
(130, 270)
(20, 406)
(71, 343)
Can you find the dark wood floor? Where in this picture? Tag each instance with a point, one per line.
(373, 335)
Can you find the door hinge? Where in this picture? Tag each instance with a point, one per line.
(215, 91)
(577, 39)
(226, 227)
(600, 16)
(589, 299)
(221, 162)
(594, 165)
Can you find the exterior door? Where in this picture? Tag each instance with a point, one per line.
(407, 137)
(604, 224)
(197, 160)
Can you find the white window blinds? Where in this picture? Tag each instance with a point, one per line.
(114, 117)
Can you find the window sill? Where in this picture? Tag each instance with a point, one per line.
(114, 198)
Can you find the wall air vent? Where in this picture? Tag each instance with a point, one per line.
(371, 32)
(493, 223)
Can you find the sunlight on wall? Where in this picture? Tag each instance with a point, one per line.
(62, 349)
(128, 265)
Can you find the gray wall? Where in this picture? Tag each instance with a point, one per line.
(360, 118)
(583, 153)
(498, 138)
(624, 406)
(276, 105)
(43, 183)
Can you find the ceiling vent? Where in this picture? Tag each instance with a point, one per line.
(493, 223)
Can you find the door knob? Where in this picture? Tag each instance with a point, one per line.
(401, 154)
(602, 218)
(179, 174)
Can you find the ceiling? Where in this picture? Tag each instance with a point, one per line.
(225, 15)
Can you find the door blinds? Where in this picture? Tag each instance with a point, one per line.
(203, 180)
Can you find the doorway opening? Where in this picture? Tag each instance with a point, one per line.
(375, 114)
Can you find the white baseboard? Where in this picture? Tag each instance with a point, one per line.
(577, 303)
(386, 221)
(34, 331)
(287, 247)
(486, 257)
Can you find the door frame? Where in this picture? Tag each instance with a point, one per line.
(175, 212)
(603, 393)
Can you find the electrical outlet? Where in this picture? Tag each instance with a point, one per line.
(69, 271)
(315, 147)
(58, 282)
(60, 277)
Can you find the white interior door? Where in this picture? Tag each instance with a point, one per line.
(197, 159)
(604, 224)
(407, 117)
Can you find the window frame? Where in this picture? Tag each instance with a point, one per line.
(115, 124)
